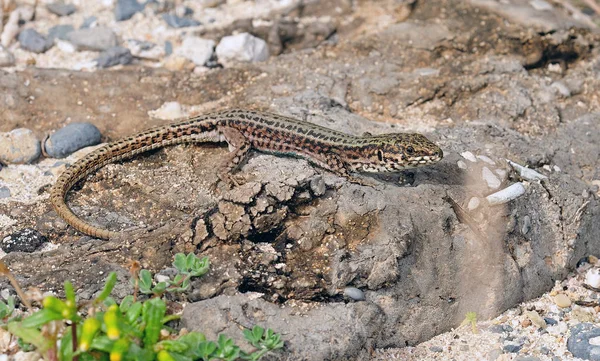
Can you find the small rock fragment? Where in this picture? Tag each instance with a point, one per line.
(541, 5)
(536, 318)
(317, 185)
(89, 22)
(461, 164)
(125, 9)
(354, 293)
(512, 348)
(243, 48)
(196, 49)
(581, 344)
(506, 195)
(145, 49)
(562, 300)
(117, 55)
(72, 138)
(65, 46)
(436, 349)
(526, 227)
(474, 203)
(178, 63)
(592, 278)
(19, 146)
(469, 156)
(550, 321)
(4, 192)
(61, 9)
(59, 32)
(526, 173)
(561, 88)
(25, 240)
(167, 111)
(33, 41)
(175, 21)
(98, 39)
(6, 57)
(490, 178)
(486, 159)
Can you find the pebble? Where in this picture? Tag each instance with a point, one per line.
(436, 349)
(242, 47)
(72, 138)
(175, 21)
(561, 88)
(473, 203)
(490, 178)
(579, 343)
(512, 348)
(461, 164)
(145, 49)
(25, 240)
(178, 63)
(536, 318)
(33, 41)
(541, 5)
(562, 300)
(65, 46)
(61, 9)
(526, 173)
(117, 55)
(317, 185)
(592, 277)
(354, 293)
(19, 146)
(89, 22)
(550, 321)
(99, 38)
(167, 111)
(196, 49)
(486, 159)
(6, 57)
(59, 32)
(506, 195)
(125, 9)
(526, 226)
(4, 192)
(469, 156)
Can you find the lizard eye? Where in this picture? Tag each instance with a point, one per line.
(410, 149)
(380, 155)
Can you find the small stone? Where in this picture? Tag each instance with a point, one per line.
(161, 278)
(561, 88)
(175, 21)
(535, 317)
(526, 358)
(89, 22)
(168, 48)
(61, 9)
(541, 5)
(19, 146)
(145, 49)
(490, 178)
(59, 32)
(545, 350)
(167, 111)
(125, 9)
(196, 49)
(4, 192)
(506, 195)
(98, 39)
(526, 227)
(474, 203)
(562, 300)
(461, 164)
(182, 11)
(178, 63)
(525, 323)
(117, 55)
(469, 156)
(550, 321)
(317, 185)
(72, 138)
(6, 57)
(25, 240)
(592, 278)
(486, 159)
(512, 348)
(33, 41)
(65, 46)
(436, 349)
(243, 48)
(354, 293)
(581, 344)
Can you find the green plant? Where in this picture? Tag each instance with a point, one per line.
(471, 319)
(131, 329)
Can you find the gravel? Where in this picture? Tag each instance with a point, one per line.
(117, 55)
(125, 9)
(99, 38)
(33, 41)
(175, 21)
(19, 146)
(242, 48)
(582, 343)
(60, 32)
(25, 240)
(89, 22)
(196, 49)
(72, 138)
(61, 9)
(6, 57)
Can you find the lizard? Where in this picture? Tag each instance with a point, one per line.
(244, 130)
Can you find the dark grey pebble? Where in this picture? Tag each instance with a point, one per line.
(168, 48)
(550, 321)
(59, 32)
(175, 21)
(117, 55)
(72, 138)
(99, 38)
(500, 329)
(88, 22)
(125, 9)
(579, 342)
(545, 350)
(4, 191)
(33, 41)
(512, 348)
(436, 349)
(24, 240)
(354, 293)
(61, 9)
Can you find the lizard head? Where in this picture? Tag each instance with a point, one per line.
(395, 152)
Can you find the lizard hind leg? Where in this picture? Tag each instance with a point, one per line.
(239, 147)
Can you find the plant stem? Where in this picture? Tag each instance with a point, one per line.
(13, 281)
(74, 339)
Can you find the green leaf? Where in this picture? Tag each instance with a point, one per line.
(145, 282)
(102, 343)
(126, 303)
(159, 288)
(172, 346)
(70, 292)
(6, 309)
(180, 262)
(40, 318)
(153, 312)
(30, 335)
(206, 349)
(133, 313)
(199, 267)
(111, 281)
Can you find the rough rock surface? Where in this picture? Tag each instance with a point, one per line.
(499, 90)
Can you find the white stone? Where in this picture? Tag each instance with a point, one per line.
(167, 111)
(526, 173)
(6, 57)
(592, 277)
(469, 156)
(19, 146)
(196, 49)
(242, 48)
(486, 159)
(506, 195)
(541, 5)
(461, 164)
(65, 46)
(161, 278)
(473, 203)
(490, 178)
(561, 88)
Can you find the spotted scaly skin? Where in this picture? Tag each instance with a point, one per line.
(244, 130)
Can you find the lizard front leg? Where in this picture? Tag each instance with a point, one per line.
(239, 146)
